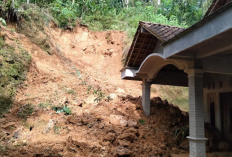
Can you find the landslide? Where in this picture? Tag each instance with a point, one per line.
(72, 101)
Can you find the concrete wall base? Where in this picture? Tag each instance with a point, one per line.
(197, 147)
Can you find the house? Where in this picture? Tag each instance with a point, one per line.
(200, 58)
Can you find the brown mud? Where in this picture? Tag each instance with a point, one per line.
(107, 117)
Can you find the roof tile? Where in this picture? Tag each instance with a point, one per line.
(216, 4)
(162, 32)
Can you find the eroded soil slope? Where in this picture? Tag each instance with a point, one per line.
(104, 115)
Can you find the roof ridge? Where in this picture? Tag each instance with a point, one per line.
(160, 31)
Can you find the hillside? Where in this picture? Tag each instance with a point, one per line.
(73, 102)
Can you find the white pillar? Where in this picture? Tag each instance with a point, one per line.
(146, 98)
(196, 114)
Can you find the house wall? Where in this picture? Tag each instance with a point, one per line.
(214, 84)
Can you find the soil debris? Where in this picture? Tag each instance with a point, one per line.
(73, 103)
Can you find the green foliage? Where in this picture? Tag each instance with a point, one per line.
(67, 110)
(83, 82)
(34, 20)
(70, 91)
(104, 15)
(2, 148)
(78, 73)
(65, 13)
(44, 104)
(183, 131)
(2, 21)
(115, 14)
(64, 109)
(128, 19)
(13, 70)
(5, 103)
(57, 129)
(100, 95)
(142, 121)
(109, 98)
(25, 111)
(186, 11)
(89, 88)
(189, 11)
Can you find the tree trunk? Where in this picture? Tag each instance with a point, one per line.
(127, 3)
(28, 1)
(73, 2)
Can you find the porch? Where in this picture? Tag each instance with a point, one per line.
(200, 58)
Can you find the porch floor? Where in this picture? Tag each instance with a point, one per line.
(219, 154)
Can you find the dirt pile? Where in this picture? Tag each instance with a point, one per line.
(73, 103)
(115, 128)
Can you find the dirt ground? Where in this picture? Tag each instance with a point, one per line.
(219, 154)
(107, 118)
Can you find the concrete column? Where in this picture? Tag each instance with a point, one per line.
(146, 98)
(196, 114)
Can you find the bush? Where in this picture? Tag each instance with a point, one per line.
(5, 103)
(64, 109)
(25, 111)
(14, 64)
(33, 22)
(65, 13)
(142, 121)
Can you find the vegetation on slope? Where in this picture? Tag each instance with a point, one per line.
(114, 14)
(32, 24)
(173, 94)
(14, 62)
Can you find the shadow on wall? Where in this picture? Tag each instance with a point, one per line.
(176, 95)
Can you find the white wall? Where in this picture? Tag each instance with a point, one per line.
(216, 79)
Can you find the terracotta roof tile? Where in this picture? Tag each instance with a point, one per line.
(162, 32)
(216, 4)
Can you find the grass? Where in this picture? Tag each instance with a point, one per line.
(14, 64)
(5, 104)
(142, 121)
(25, 111)
(34, 20)
(71, 91)
(2, 148)
(44, 104)
(57, 129)
(173, 94)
